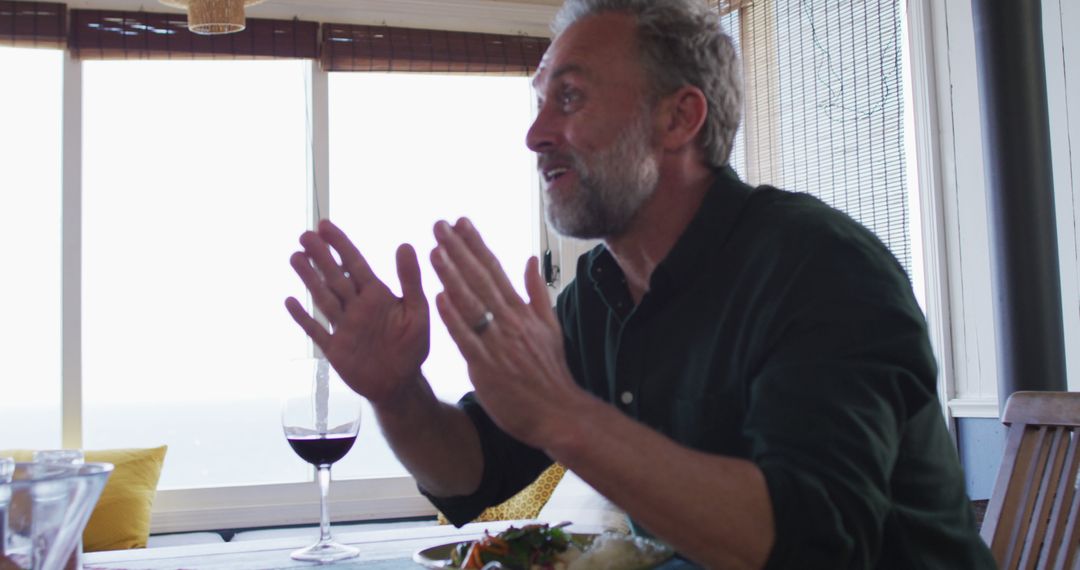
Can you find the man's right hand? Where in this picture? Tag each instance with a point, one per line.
(377, 341)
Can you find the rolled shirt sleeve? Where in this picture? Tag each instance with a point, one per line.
(509, 466)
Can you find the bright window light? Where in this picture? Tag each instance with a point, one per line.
(30, 228)
(407, 150)
(195, 190)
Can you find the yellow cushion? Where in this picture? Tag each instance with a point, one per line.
(121, 518)
(527, 503)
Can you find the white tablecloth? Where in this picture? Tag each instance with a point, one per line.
(379, 550)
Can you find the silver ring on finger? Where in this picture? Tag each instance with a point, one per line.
(483, 323)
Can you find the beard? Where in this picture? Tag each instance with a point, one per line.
(613, 183)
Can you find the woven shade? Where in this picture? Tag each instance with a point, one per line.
(32, 24)
(106, 34)
(825, 108)
(382, 48)
(213, 16)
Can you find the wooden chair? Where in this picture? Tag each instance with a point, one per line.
(1031, 521)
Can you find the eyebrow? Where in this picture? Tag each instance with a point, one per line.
(561, 71)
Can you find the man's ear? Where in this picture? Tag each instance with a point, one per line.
(682, 116)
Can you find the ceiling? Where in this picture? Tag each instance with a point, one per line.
(529, 17)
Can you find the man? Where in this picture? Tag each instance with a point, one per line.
(745, 372)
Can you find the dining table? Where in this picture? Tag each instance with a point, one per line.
(385, 549)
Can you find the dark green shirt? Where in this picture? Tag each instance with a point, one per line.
(778, 330)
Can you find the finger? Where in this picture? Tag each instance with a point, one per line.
(313, 328)
(358, 267)
(333, 274)
(485, 256)
(408, 268)
(455, 289)
(324, 299)
(468, 342)
(473, 276)
(539, 300)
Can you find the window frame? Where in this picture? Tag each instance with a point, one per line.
(921, 89)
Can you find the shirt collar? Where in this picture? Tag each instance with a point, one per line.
(708, 229)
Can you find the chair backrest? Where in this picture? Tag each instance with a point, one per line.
(1031, 521)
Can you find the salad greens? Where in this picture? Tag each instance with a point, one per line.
(525, 548)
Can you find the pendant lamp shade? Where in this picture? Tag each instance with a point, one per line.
(209, 17)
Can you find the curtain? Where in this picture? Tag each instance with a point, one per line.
(107, 34)
(382, 48)
(32, 24)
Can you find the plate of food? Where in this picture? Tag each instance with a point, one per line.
(546, 547)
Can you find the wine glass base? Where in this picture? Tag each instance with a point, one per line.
(328, 551)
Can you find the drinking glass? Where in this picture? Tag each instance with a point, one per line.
(65, 457)
(321, 423)
(48, 506)
(60, 456)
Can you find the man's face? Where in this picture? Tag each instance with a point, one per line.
(594, 132)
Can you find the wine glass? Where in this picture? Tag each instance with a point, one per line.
(320, 424)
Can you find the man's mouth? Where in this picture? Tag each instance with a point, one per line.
(553, 174)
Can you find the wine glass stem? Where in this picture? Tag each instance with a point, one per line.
(323, 475)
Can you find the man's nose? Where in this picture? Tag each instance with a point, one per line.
(543, 134)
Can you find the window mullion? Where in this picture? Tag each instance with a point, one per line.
(318, 153)
(318, 115)
(71, 257)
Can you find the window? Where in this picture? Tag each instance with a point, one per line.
(30, 221)
(409, 149)
(198, 162)
(194, 192)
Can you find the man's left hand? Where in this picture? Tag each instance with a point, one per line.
(514, 349)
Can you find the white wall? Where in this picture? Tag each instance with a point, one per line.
(965, 243)
(1061, 19)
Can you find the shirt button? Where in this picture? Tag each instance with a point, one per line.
(626, 398)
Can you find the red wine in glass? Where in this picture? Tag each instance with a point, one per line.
(322, 449)
(320, 423)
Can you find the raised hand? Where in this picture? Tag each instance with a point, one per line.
(514, 349)
(377, 341)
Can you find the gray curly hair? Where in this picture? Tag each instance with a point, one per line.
(681, 43)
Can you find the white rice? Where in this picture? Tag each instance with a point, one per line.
(615, 551)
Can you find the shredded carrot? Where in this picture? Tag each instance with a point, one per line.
(498, 546)
(472, 559)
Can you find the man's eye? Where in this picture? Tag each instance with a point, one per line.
(569, 97)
